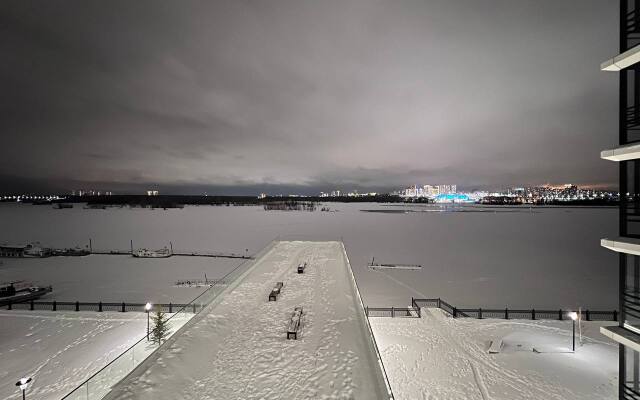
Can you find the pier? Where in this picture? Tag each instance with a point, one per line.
(178, 254)
(19, 251)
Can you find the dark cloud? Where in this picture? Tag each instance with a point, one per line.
(244, 96)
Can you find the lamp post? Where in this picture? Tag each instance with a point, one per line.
(147, 308)
(22, 384)
(574, 316)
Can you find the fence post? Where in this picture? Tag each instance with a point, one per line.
(77, 306)
(123, 306)
(560, 315)
(479, 313)
(10, 306)
(31, 305)
(588, 316)
(506, 313)
(392, 313)
(439, 302)
(54, 306)
(615, 315)
(455, 312)
(533, 313)
(100, 307)
(170, 308)
(194, 308)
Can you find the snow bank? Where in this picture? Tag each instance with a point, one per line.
(438, 357)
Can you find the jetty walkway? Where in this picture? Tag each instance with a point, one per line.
(237, 347)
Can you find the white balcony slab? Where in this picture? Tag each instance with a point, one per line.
(622, 245)
(622, 61)
(623, 336)
(622, 153)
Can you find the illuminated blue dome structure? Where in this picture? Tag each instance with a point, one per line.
(453, 198)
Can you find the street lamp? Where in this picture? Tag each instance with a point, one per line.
(147, 308)
(23, 383)
(574, 316)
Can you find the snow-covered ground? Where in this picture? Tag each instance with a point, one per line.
(237, 348)
(59, 350)
(437, 357)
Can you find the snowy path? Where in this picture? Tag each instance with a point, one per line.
(58, 350)
(438, 357)
(238, 348)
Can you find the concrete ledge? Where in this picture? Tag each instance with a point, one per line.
(622, 61)
(623, 336)
(623, 153)
(622, 245)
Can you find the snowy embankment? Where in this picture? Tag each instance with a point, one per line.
(438, 357)
(60, 349)
(237, 348)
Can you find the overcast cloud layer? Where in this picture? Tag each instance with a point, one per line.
(238, 97)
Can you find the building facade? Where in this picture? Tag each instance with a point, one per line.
(627, 245)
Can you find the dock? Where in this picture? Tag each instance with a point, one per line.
(178, 254)
(412, 267)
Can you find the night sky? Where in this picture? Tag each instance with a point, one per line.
(238, 97)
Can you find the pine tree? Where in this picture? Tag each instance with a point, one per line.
(160, 329)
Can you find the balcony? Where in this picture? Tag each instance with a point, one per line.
(622, 245)
(622, 61)
(623, 153)
(623, 336)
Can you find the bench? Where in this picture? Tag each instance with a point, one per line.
(496, 346)
(273, 296)
(301, 267)
(294, 323)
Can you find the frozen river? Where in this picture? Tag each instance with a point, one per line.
(543, 257)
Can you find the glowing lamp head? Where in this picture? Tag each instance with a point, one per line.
(148, 306)
(573, 315)
(23, 383)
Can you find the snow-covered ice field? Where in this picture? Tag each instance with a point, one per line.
(237, 348)
(110, 278)
(437, 357)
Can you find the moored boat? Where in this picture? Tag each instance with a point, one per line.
(72, 252)
(9, 294)
(145, 253)
(35, 250)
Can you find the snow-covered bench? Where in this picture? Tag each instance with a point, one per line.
(273, 296)
(294, 323)
(496, 346)
(301, 267)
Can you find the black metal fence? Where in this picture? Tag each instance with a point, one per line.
(99, 306)
(480, 313)
(392, 312)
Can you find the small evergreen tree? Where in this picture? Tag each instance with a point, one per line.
(160, 329)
